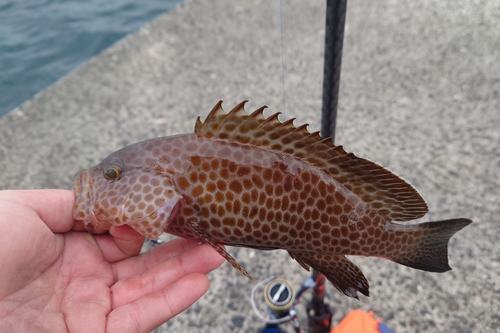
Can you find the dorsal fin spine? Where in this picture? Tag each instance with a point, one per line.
(258, 112)
(217, 109)
(272, 118)
(288, 122)
(198, 125)
(240, 108)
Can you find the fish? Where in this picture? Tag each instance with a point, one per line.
(246, 180)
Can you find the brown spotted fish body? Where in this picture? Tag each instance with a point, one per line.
(246, 180)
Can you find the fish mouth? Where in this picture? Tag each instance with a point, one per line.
(84, 202)
(86, 197)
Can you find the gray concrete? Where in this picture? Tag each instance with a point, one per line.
(420, 94)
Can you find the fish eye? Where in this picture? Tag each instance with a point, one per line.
(112, 173)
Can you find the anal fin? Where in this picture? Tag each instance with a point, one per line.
(341, 272)
(300, 261)
(203, 235)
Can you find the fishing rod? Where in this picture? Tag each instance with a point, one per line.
(334, 42)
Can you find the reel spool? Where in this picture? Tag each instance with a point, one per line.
(280, 299)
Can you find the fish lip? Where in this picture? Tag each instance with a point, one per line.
(83, 190)
(90, 222)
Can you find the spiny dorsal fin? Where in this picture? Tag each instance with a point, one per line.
(390, 195)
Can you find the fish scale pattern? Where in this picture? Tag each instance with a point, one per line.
(271, 208)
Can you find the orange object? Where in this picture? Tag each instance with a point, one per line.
(358, 321)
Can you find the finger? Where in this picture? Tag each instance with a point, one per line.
(142, 263)
(151, 311)
(201, 259)
(54, 207)
(122, 242)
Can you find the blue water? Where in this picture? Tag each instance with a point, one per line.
(42, 40)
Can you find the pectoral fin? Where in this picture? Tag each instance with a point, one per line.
(341, 272)
(203, 235)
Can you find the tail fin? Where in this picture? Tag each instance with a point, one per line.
(430, 252)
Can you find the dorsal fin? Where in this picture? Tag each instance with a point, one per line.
(390, 195)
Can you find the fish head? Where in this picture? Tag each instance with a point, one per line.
(115, 193)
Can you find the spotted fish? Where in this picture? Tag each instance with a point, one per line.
(247, 180)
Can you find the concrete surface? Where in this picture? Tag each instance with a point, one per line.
(420, 94)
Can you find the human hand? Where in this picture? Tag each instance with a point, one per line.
(54, 278)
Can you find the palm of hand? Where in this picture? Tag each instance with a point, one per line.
(58, 280)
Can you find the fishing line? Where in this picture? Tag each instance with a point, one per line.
(282, 57)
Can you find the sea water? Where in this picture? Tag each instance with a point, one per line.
(43, 40)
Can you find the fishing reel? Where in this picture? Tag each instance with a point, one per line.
(280, 300)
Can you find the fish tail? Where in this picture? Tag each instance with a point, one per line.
(430, 245)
